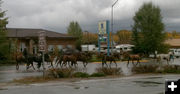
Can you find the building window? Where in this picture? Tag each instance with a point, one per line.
(69, 46)
(51, 48)
(35, 50)
(22, 46)
(60, 47)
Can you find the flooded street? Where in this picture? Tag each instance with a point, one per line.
(125, 85)
(137, 84)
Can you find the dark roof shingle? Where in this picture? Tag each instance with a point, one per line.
(23, 33)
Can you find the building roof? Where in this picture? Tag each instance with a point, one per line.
(26, 33)
(173, 42)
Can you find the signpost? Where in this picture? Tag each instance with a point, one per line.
(103, 34)
(42, 47)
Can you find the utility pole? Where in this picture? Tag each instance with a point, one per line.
(112, 44)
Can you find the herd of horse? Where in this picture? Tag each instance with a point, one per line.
(72, 59)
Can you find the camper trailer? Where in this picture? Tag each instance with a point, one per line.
(124, 47)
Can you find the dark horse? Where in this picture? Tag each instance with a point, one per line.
(20, 58)
(104, 58)
(72, 58)
(68, 59)
(83, 57)
(131, 57)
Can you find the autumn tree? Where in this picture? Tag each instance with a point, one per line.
(4, 48)
(124, 36)
(75, 30)
(90, 38)
(148, 30)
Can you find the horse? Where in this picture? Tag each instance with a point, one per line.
(84, 57)
(132, 57)
(110, 58)
(166, 57)
(19, 58)
(69, 59)
(117, 55)
(104, 58)
(59, 60)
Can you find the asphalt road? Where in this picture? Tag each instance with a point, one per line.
(143, 84)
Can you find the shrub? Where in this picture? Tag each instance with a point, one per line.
(7, 62)
(171, 69)
(109, 71)
(81, 75)
(60, 73)
(156, 69)
(144, 69)
(98, 75)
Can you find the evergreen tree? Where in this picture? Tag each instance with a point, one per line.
(148, 30)
(75, 30)
(4, 46)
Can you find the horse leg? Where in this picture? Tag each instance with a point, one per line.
(167, 61)
(106, 64)
(139, 61)
(110, 63)
(57, 64)
(128, 62)
(17, 65)
(86, 63)
(52, 65)
(132, 61)
(33, 65)
(115, 63)
(69, 63)
(27, 66)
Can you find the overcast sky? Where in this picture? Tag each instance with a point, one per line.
(56, 14)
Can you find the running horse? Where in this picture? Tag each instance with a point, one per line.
(104, 58)
(132, 57)
(68, 59)
(83, 57)
(19, 58)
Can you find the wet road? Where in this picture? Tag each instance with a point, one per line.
(8, 73)
(123, 85)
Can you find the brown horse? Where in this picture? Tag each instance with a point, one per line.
(19, 58)
(104, 58)
(69, 59)
(131, 57)
(22, 59)
(83, 57)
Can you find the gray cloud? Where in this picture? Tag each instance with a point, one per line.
(56, 14)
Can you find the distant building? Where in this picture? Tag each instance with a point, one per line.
(28, 38)
(174, 43)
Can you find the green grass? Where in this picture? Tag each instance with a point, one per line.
(81, 75)
(94, 59)
(97, 75)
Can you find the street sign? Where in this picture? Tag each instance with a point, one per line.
(103, 34)
(102, 27)
(42, 41)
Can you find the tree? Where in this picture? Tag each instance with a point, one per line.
(4, 46)
(75, 30)
(148, 30)
(124, 36)
(90, 38)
